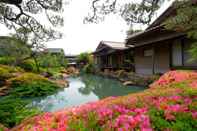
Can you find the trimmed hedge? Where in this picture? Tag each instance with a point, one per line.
(6, 72)
(32, 85)
(28, 65)
(7, 60)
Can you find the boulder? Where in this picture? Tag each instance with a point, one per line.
(127, 83)
(62, 83)
(70, 71)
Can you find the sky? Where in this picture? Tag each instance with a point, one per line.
(79, 37)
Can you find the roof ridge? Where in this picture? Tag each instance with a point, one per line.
(112, 41)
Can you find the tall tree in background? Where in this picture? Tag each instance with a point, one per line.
(25, 13)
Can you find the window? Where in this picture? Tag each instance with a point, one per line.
(148, 52)
(187, 55)
(177, 53)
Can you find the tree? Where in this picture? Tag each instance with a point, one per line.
(32, 42)
(13, 49)
(48, 60)
(85, 58)
(24, 13)
(185, 21)
(134, 11)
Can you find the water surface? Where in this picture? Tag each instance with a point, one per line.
(83, 89)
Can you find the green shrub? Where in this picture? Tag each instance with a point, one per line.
(28, 65)
(32, 85)
(89, 68)
(13, 111)
(6, 73)
(11, 69)
(183, 121)
(7, 60)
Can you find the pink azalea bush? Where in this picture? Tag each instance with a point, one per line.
(171, 108)
(175, 76)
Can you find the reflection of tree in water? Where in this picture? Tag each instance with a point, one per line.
(47, 103)
(104, 87)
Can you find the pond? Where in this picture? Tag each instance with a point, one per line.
(83, 89)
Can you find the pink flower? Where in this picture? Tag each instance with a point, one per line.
(194, 114)
(174, 108)
(193, 84)
(104, 112)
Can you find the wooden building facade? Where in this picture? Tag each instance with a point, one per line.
(157, 50)
(113, 56)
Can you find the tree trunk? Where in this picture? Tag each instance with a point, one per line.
(36, 62)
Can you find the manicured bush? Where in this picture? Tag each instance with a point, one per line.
(28, 65)
(13, 111)
(6, 72)
(7, 60)
(11, 69)
(32, 85)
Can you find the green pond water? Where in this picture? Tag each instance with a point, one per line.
(83, 89)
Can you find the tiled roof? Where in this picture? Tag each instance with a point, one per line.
(54, 50)
(114, 45)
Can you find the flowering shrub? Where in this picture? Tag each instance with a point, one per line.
(171, 108)
(174, 77)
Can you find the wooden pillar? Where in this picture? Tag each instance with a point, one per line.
(182, 51)
(153, 59)
(170, 55)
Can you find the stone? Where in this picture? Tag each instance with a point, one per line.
(127, 83)
(62, 83)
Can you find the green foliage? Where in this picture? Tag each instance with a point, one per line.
(6, 72)
(14, 48)
(157, 119)
(92, 125)
(77, 125)
(89, 68)
(48, 60)
(185, 21)
(28, 65)
(85, 58)
(13, 111)
(7, 60)
(11, 69)
(32, 85)
(183, 122)
(87, 61)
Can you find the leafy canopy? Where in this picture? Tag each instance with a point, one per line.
(25, 13)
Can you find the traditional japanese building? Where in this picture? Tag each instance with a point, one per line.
(158, 50)
(113, 56)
